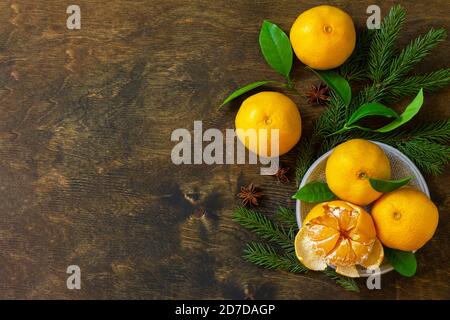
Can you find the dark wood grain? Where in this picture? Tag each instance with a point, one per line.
(85, 170)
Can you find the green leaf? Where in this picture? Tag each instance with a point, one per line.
(276, 48)
(314, 192)
(337, 83)
(411, 110)
(404, 262)
(245, 89)
(371, 109)
(382, 185)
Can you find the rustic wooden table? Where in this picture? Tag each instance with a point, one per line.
(85, 171)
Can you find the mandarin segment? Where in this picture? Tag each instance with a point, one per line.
(306, 254)
(362, 251)
(342, 254)
(364, 231)
(323, 237)
(376, 256)
(327, 219)
(348, 271)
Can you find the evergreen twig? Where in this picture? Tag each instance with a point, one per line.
(287, 217)
(411, 85)
(265, 256)
(438, 131)
(383, 43)
(355, 68)
(264, 227)
(347, 283)
(429, 156)
(426, 144)
(305, 158)
(415, 52)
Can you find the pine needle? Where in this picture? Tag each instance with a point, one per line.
(415, 52)
(331, 118)
(287, 217)
(438, 132)
(383, 43)
(355, 68)
(305, 158)
(347, 283)
(430, 157)
(409, 86)
(265, 256)
(264, 227)
(425, 144)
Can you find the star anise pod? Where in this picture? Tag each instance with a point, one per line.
(250, 195)
(281, 175)
(318, 94)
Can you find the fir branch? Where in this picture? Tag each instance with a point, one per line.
(355, 68)
(415, 52)
(305, 158)
(334, 116)
(426, 144)
(347, 283)
(332, 141)
(371, 93)
(411, 85)
(438, 131)
(265, 256)
(288, 218)
(263, 227)
(382, 46)
(430, 157)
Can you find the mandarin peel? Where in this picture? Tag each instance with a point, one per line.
(338, 234)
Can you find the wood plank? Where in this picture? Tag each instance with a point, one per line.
(85, 170)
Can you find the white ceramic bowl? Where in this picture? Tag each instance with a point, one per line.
(401, 167)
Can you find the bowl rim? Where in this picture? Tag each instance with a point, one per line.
(416, 172)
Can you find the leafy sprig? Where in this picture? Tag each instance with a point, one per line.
(383, 185)
(264, 227)
(286, 217)
(382, 46)
(378, 109)
(426, 144)
(265, 256)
